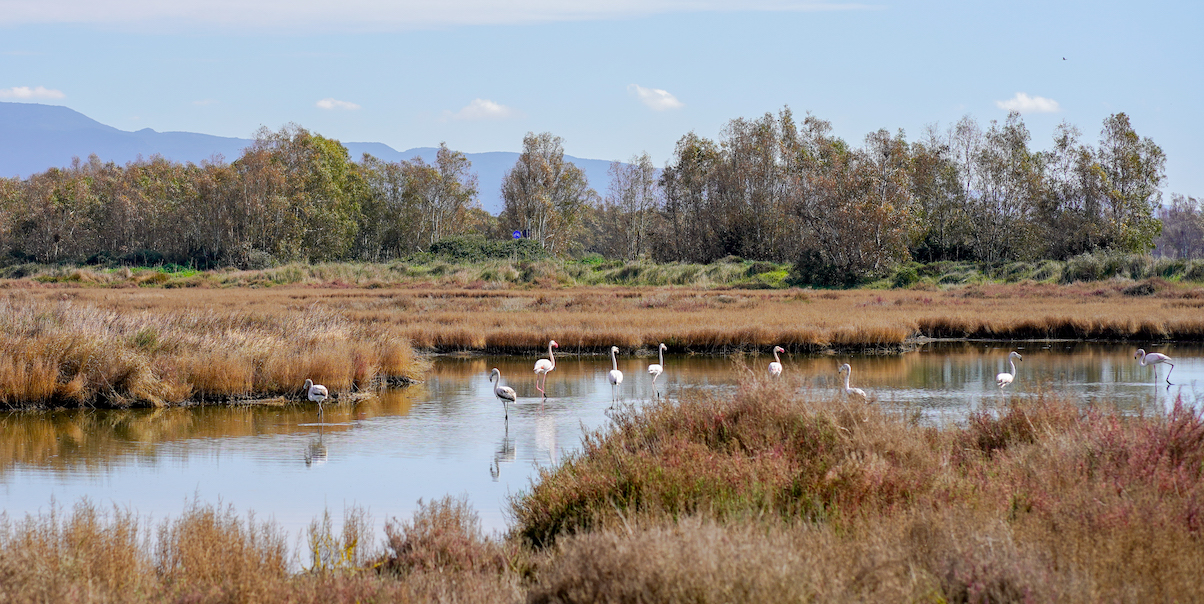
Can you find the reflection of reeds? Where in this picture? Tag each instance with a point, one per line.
(72, 353)
(65, 440)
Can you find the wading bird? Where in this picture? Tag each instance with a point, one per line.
(505, 394)
(851, 392)
(615, 376)
(656, 369)
(316, 393)
(1004, 379)
(1154, 358)
(544, 367)
(775, 368)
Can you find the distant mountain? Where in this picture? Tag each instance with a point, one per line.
(35, 138)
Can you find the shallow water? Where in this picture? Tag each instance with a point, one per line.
(448, 435)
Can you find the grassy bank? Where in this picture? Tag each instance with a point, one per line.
(59, 352)
(771, 494)
(505, 273)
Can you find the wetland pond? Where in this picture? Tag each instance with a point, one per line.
(448, 436)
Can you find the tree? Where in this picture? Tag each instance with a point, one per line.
(686, 183)
(1007, 181)
(630, 209)
(543, 194)
(1182, 228)
(1134, 170)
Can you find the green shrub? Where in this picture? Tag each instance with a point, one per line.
(479, 249)
(906, 276)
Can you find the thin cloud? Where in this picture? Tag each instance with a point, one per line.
(483, 109)
(379, 15)
(25, 92)
(1026, 104)
(655, 98)
(335, 104)
(204, 102)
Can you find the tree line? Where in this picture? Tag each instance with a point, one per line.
(773, 188)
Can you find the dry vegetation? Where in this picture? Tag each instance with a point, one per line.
(61, 352)
(767, 495)
(70, 345)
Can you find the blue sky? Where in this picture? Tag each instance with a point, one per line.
(613, 78)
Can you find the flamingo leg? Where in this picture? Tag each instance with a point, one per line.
(1168, 373)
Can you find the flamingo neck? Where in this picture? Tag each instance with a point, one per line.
(848, 374)
(775, 355)
(614, 363)
(662, 350)
(1012, 362)
(551, 357)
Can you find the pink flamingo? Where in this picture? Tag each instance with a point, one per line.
(505, 394)
(775, 368)
(544, 367)
(656, 369)
(1155, 358)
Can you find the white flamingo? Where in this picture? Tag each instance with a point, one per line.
(851, 392)
(505, 394)
(656, 369)
(316, 393)
(1004, 379)
(544, 367)
(1155, 358)
(615, 376)
(775, 368)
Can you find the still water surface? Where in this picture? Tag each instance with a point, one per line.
(448, 434)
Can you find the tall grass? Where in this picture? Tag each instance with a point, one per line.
(806, 498)
(68, 353)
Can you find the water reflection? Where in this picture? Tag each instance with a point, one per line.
(433, 438)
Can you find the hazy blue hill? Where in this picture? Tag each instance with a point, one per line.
(34, 138)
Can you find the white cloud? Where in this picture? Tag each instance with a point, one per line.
(1026, 104)
(658, 100)
(332, 104)
(483, 109)
(25, 92)
(373, 14)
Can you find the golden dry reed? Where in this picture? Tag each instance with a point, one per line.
(57, 351)
(592, 319)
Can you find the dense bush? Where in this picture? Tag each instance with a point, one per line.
(479, 249)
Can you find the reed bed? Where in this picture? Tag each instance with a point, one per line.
(773, 494)
(61, 352)
(590, 320)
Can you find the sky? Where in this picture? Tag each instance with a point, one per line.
(613, 78)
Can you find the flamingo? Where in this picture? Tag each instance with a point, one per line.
(1155, 358)
(505, 394)
(1004, 379)
(852, 392)
(545, 366)
(656, 369)
(316, 393)
(615, 376)
(775, 368)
